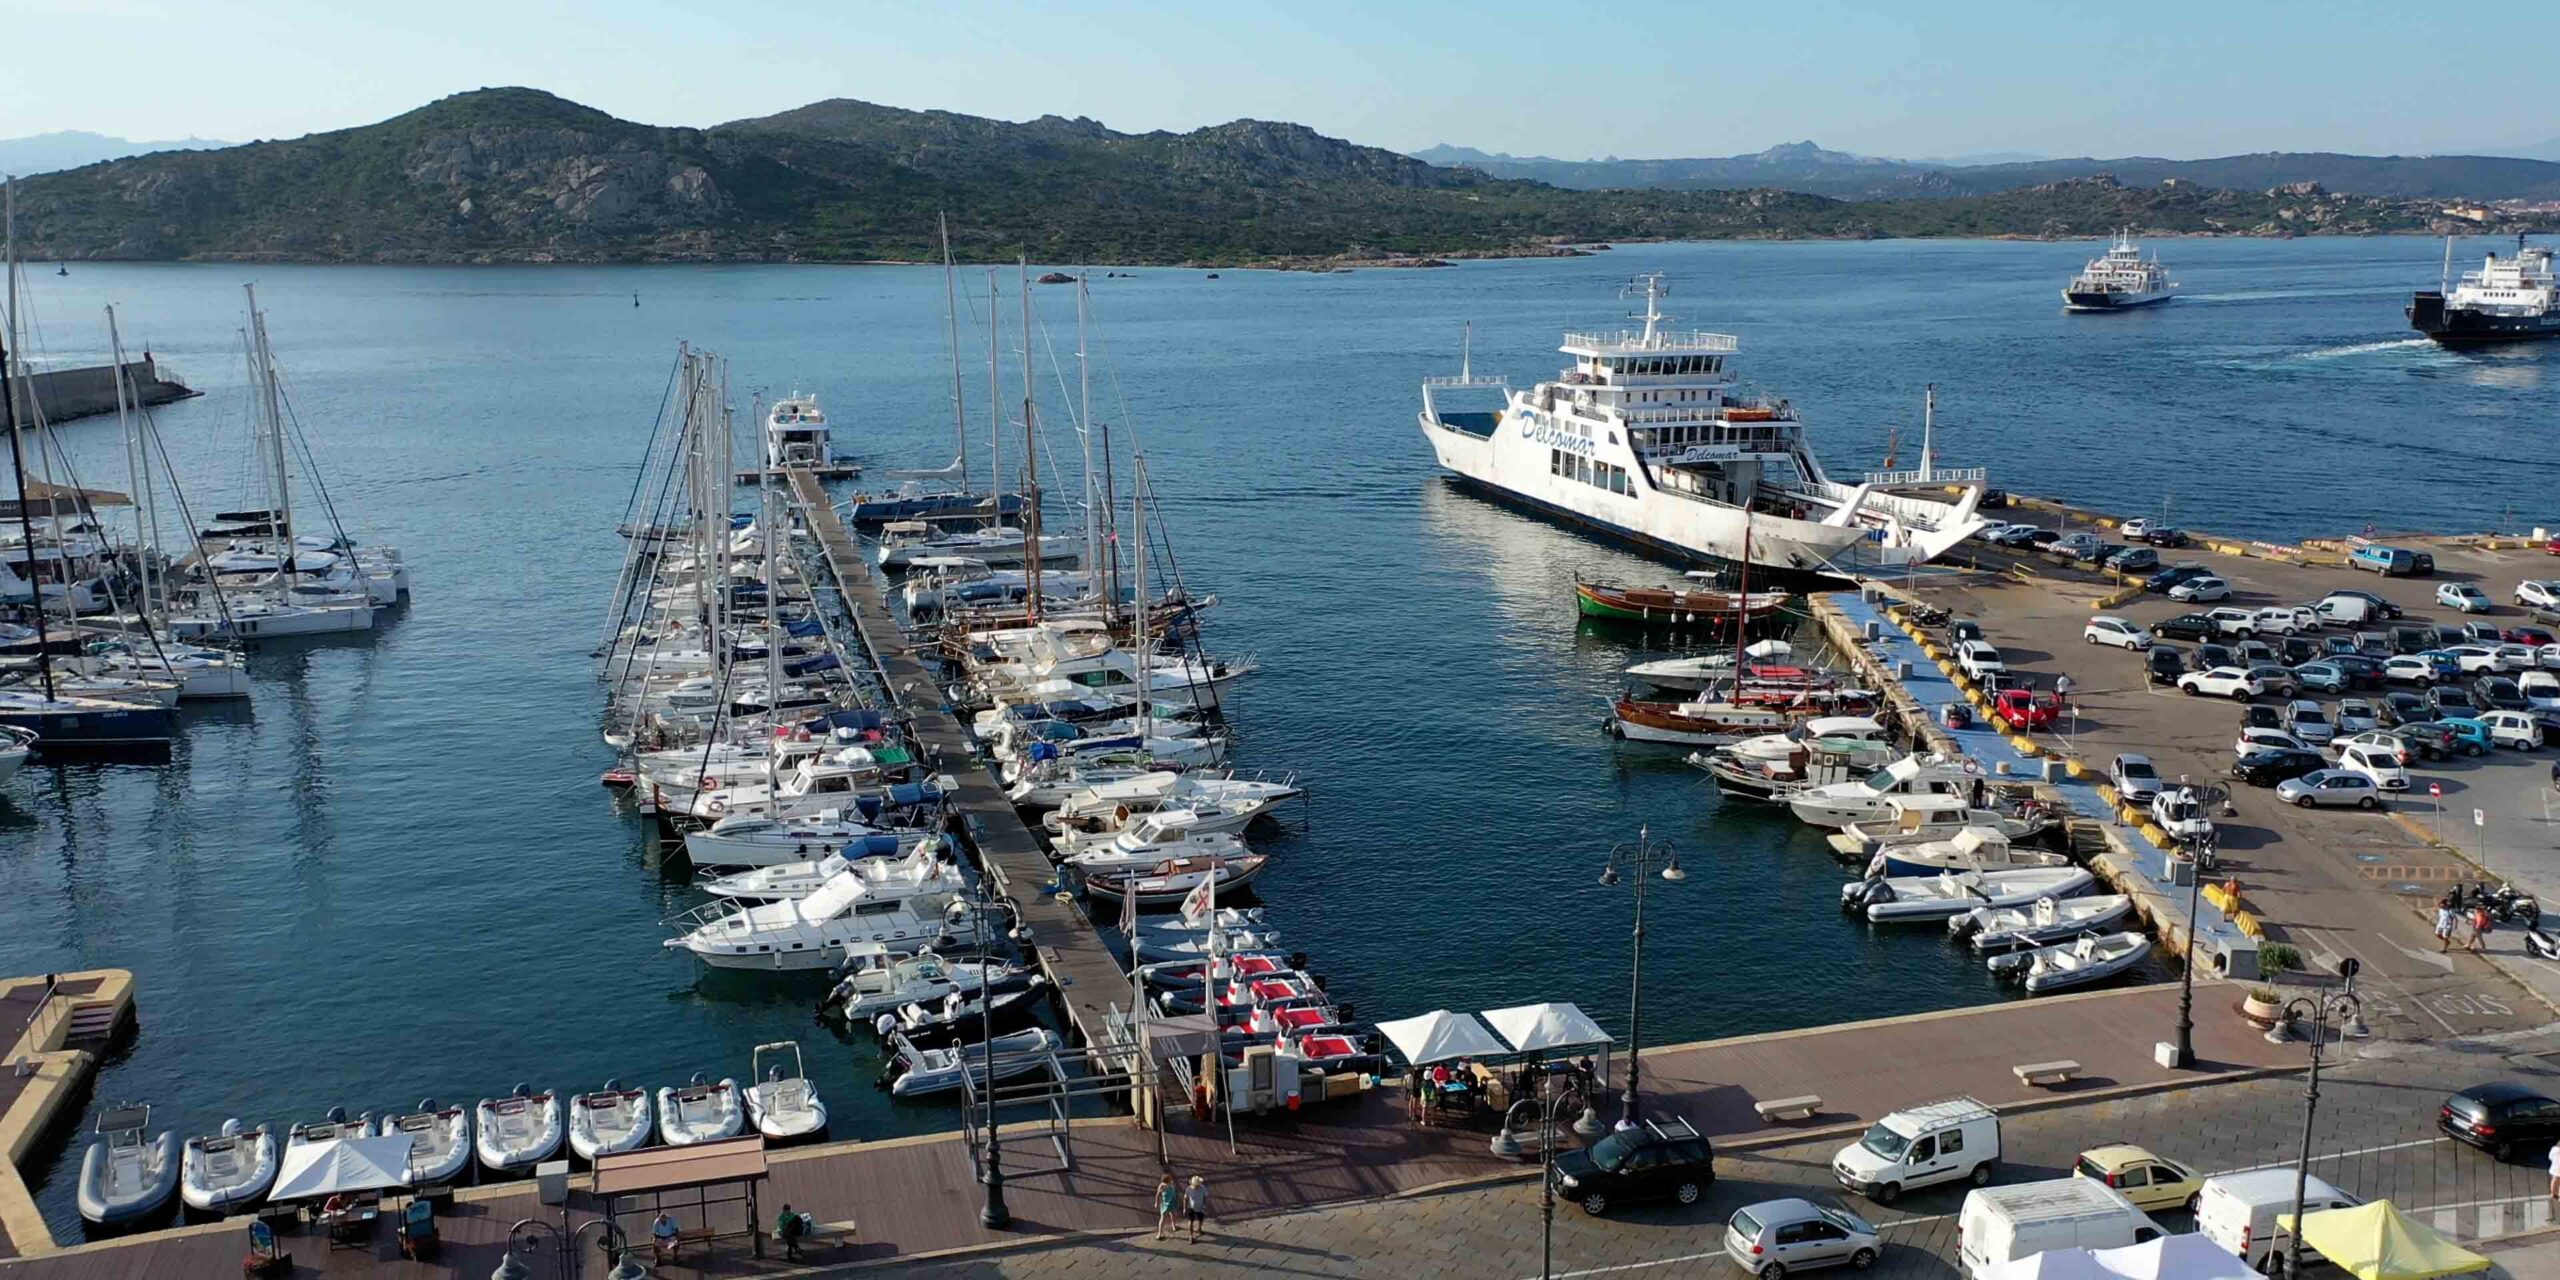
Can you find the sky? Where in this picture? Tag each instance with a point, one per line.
(1636, 78)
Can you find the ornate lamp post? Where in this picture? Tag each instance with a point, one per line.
(2349, 1012)
(1641, 858)
(1545, 1109)
(992, 1214)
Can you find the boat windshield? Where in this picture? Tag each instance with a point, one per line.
(1882, 780)
(1612, 1151)
(1885, 1142)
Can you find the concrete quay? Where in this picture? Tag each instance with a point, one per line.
(56, 1026)
(61, 395)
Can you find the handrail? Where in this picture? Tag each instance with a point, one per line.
(27, 1033)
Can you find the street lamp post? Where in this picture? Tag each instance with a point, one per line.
(992, 1214)
(1549, 1104)
(2319, 1010)
(1640, 858)
(2186, 1047)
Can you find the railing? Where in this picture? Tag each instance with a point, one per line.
(1663, 340)
(1935, 475)
(29, 1034)
(1465, 380)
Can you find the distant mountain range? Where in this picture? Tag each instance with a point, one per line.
(1805, 167)
(47, 152)
(518, 175)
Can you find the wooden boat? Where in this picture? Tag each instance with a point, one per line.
(1169, 882)
(1702, 724)
(1670, 606)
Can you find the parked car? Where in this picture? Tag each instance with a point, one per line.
(1997, 1226)
(1976, 658)
(2552, 545)
(2470, 737)
(2284, 619)
(2503, 1118)
(2327, 788)
(2462, 597)
(2025, 710)
(2379, 765)
(2327, 677)
(2109, 629)
(2221, 682)
(2421, 564)
(2234, 621)
(2381, 740)
(2539, 593)
(2258, 715)
(2293, 651)
(2486, 633)
(2381, 608)
(2163, 664)
(2268, 768)
(2450, 700)
(2309, 721)
(2513, 656)
(1775, 1237)
(2043, 539)
(2147, 1180)
(2413, 638)
(2357, 715)
(2074, 545)
(2408, 669)
(2209, 656)
(2403, 708)
(2136, 529)
(2448, 664)
(2201, 589)
(2256, 653)
(2017, 535)
(2276, 680)
(2266, 740)
(1664, 1158)
(2541, 689)
(2362, 672)
(2514, 730)
(2239, 1210)
(2135, 778)
(1960, 630)
(2431, 739)
(2179, 574)
(2391, 562)
(2134, 560)
(2340, 647)
(2187, 626)
(1919, 1147)
(2163, 536)
(2099, 554)
(2498, 693)
(2530, 637)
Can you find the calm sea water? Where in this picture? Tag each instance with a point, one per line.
(392, 874)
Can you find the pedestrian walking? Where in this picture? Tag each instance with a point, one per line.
(2061, 689)
(2482, 923)
(2555, 1171)
(1168, 1199)
(789, 1227)
(2446, 918)
(1195, 1205)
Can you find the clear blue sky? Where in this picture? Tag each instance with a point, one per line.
(1634, 78)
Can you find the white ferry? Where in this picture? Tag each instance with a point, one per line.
(2119, 279)
(2506, 300)
(1648, 438)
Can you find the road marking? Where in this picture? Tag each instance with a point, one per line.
(2338, 1155)
(1638, 1266)
(2436, 958)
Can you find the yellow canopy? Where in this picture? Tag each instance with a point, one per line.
(2378, 1242)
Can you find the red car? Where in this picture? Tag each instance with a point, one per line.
(2024, 709)
(2552, 546)
(2536, 636)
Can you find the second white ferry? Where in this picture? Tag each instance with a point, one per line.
(2119, 279)
(1647, 437)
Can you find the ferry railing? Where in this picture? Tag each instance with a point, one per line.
(1935, 475)
(1663, 340)
(1466, 380)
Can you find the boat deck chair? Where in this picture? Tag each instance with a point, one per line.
(418, 1230)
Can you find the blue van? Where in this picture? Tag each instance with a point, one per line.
(2390, 562)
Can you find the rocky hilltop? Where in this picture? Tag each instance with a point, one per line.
(518, 175)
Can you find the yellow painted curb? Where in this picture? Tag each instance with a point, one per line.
(2107, 795)
(2025, 745)
(2248, 924)
(2076, 768)
(2154, 834)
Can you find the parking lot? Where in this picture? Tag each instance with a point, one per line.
(2332, 882)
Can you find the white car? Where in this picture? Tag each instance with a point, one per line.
(2541, 593)
(2136, 529)
(2267, 740)
(2516, 657)
(2221, 682)
(2284, 620)
(2477, 659)
(2408, 669)
(2234, 622)
(2513, 729)
(2109, 629)
(2389, 744)
(2201, 590)
(2179, 813)
(2135, 777)
(2357, 715)
(1978, 659)
(2379, 764)
(2547, 656)
(2309, 721)
(2462, 597)
(2541, 690)
(2325, 788)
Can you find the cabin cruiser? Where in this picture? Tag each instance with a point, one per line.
(1842, 803)
(2118, 280)
(1779, 746)
(2088, 960)
(1649, 437)
(1971, 849)
(518, 1131)
(701, 1111)
(838, 781)
(1147, 843)
(1935, 816)
(1819, 762)
(1905, 899)
(796, 435)
(754, 840)
(916, 1072)
(609, 1120)
(1046, 784)
(1176, 747)
(1700, 672)
(128, 1173)
(1170, 881)
(905, 542)
(2043, 921)
(907, 903)
(439, 1141)
(782, 1104)
(1214, 802)
(875, 979)
(223, 1171)
(781, 881)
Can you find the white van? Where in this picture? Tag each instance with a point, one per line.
(1920, 1147)
(2344, 611)
(2239, 1210)
(2003, 1224)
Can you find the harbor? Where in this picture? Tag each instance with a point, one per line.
(1388, 790)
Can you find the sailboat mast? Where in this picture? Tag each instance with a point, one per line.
(995, 409)
(1084, 438)
(1742, 602)
(282, 504)
(136, 466)
(1030, 452)
(12, 379)
(1144, 649)
(951, 324)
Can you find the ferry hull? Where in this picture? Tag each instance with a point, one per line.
(2455, 327)
(2074, 300)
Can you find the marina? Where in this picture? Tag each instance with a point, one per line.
(1381, 797)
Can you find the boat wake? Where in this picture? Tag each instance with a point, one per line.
(2363, 348)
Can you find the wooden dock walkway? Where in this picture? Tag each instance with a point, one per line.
(1079, 966)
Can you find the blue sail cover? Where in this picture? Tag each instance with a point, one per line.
(806, 627)
(849, 718)
(806, 666)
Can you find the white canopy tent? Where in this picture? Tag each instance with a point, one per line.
(2186, 1257)
(1441, 1036)
(1533, 1028)
(2053, 1264)
(347, 1164)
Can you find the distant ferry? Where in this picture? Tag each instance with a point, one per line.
(2506, 300)
(2119, 279)
(1647, 437)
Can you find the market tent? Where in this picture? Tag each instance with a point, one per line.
(1554, 1025)
(2186, 1257)
(2053, 1264)
(2378, 1242)
(1441, 1036)
(348, 1164)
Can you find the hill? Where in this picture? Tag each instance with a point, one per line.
(517, 175)
(1805, 167)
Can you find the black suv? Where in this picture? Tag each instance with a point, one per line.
(2498, 693)
(2185, 571)
(2188, 626)
(2503, 1118)
(2164, 663)
(2277, 764)
(1660, 1159)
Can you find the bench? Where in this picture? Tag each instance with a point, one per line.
(2045, 1073)
(1789, 1108)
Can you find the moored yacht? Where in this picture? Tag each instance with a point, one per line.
(796, 434)
(1649, 437)
(2119, 279)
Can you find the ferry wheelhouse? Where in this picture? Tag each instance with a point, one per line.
(1650, 438)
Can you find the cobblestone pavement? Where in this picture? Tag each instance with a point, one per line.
(2376, 1138)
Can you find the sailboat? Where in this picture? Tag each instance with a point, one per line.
(943, 493)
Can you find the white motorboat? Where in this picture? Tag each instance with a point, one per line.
(1170, 881)
(518, 1131)
(875, 978)
(224, 1171)
(1910, 819)
(1151, 840)
(609, 1120)
(796, 434)
(2091, 958)
(1971, 849)
(1214, 802)
(439, 1141)
(336, 1127)
(199, 673)
(1910, 899)
(839, 781)
(755, 840)
(1843, 803)
(700, 1111)
(784, 881)
(1779, 746)
(1700, 672)
(2039, 923)
(16, 747)
(905, 542)
(917, 1073)
(907, 904)
(1819, 762)
(128, 1173)
(782, 1104)
(1048, 784)
(1095, 663)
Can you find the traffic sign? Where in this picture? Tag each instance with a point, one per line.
(2436, 789)
(2479, 817)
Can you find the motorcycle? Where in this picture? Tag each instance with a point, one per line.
(2504, 903)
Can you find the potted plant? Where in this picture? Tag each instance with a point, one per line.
(2263, 1006)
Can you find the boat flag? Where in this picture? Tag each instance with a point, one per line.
(1129, 906)
(1201, 903)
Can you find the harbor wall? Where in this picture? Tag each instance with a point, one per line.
(63, 394)
(46, 1077)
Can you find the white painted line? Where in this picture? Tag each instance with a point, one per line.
(2339, 1155)
(1637, 1266)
